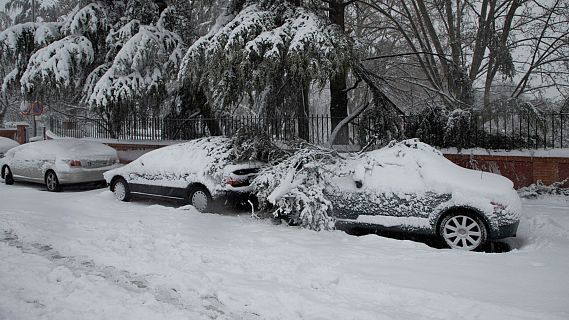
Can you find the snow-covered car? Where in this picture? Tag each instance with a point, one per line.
(5, 145)
(409, 186)
(58, 162)
(195, 172)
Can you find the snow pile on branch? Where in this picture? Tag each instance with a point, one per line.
(90, 19)
(117, 38)
(139, 68)
(252, 144)
(57, 64)
(24, 37)
(296, 187)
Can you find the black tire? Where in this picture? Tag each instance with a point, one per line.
(52, 182)
(7, 174)
(200, 198)
(120, 189)
(463, 230)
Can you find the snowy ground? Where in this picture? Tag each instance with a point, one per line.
(82, 255)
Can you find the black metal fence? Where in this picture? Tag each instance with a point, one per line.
(499, 131)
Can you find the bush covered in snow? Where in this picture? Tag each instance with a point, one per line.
(538, 189)
(294, 188)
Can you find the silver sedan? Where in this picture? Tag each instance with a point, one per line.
(58, 162)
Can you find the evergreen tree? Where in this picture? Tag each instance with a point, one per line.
(267, 53)
(115, 56)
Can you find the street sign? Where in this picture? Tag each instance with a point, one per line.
(25, 108)
(37, 108)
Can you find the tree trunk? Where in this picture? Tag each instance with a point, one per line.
(210, 121)
(338, 86)
(303, 112)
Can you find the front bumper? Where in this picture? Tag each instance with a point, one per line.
(504, 231)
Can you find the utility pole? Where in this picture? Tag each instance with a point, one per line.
(34, 122)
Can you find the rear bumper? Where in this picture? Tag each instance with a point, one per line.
(504, 231)
(239, 198)
(80, 176)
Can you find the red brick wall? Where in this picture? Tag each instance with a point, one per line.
(8, 133)
(523, 171)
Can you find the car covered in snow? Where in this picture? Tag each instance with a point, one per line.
(407, 187)
(5, 145)
(410, 186)
(58, 162)
(196, 172)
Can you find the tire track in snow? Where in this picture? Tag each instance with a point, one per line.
(208, 305)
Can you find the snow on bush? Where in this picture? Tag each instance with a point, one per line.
(538, 189)
(295, 187)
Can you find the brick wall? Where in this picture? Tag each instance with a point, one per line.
(523, 171)
(8, 133)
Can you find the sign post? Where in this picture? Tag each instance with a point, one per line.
(34, 109)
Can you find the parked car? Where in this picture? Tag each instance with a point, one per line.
(58, 162)
(411, 187)
(5, 145)
(196, 172)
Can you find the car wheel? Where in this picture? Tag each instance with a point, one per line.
(120, 189)
(7, 174)
(200, 198)
(463, 231)
(51, 182)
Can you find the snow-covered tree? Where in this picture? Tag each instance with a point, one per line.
(42, 10)
(138, 73)
(295, 187)
(267, 52)
(106, 54)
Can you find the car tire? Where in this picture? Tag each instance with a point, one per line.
(52, 182)
(7, 174)
(200, 198)
(120, 189)
(463, 230)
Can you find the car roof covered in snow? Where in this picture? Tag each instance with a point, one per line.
(200, 158)
(414, 167)
(7, 144)
(67, 148)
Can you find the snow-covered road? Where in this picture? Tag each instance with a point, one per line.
(83, 255)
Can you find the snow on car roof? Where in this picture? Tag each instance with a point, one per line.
(413, 166)
(191, 156)
(200, 157)
(71, 148)
(7, 144)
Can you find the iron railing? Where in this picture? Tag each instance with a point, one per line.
(499, 131)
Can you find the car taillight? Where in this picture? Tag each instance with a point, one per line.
(74, 163)
(237, 183)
